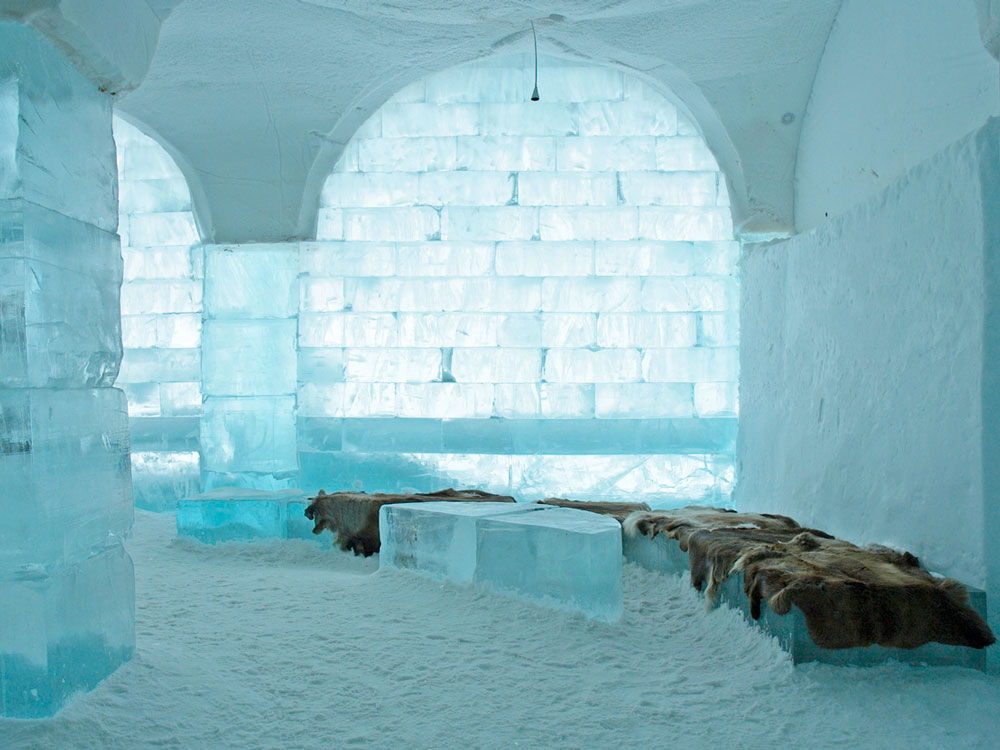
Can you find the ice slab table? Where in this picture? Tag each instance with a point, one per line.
(236, 514)
(664, 555)
(561, 557)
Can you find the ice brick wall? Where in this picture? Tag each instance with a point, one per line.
(161, 307)
(66, 582)
(529, 297)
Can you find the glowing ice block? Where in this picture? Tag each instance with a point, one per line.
(65, 628)
(570, 559)
(161, 478)
(439, 539)
(230, 514)
(64, 470)
(59, 291)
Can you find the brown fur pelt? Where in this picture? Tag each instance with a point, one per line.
(353, 516)
(850, 596)
(618, 511)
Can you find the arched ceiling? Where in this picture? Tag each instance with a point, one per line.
(255, 98)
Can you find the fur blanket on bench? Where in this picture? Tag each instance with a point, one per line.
(353, 516)
(850, 596)
(618, 511)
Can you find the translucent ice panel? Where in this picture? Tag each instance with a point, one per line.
(178, 261)
(646, 330)
(251, 281)
(74, 176)
(692, 365)
(649, 258)
(548, 400)
(401, 224)
(628, 400)
(696, 293)
(557, 556)
(568, 189)
(669, 188)
(445, 259)
(64, 457)
(173, 296)
(496, 365)
(59, 287)
(682, 223)
(160, 365)
(489, 223)
(437, 539)
(348, 329)
(233, 514)
(627, 118)
(606, 153)
(590, 295)
(587, 366)
(249, 434)
(321, 259)
(161, 478)
(662, 480)
(347, 400)
(506, 153)
(65, 629)
(137, 196)
(393, 365)
(444, 400)
(548, 259)
(589, 223)
(249, 357)
(407, 154)
(167, 228)
(465, 188)
(447, 329)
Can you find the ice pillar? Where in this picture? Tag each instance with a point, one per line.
(66, 582)
(249, 366)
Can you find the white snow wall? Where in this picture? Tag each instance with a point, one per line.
(898, 81)
(870, 387)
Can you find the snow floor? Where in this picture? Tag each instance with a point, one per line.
(287, 645)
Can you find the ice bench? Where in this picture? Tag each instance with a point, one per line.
(561, 557)
(236, 514)
(664, 555)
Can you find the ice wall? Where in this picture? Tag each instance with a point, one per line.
(535, 298)
(868, 366)
(66, 583)
(161, 310)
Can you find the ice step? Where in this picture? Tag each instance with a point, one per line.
(230, 514)
(560, 557)
(664, 555)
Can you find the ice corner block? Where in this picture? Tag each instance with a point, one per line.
(559, 557)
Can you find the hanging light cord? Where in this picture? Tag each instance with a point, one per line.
(534, 94)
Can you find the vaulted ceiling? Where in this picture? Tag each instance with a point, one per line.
(255, 98)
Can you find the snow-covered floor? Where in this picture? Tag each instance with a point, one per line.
(287, 645)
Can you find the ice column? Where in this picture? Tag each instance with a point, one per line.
(249, 366)
(66, 582)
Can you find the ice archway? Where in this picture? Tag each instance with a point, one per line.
(531, 297)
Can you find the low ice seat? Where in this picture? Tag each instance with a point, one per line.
(231, 514)
(561, 557)
(664, 555)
